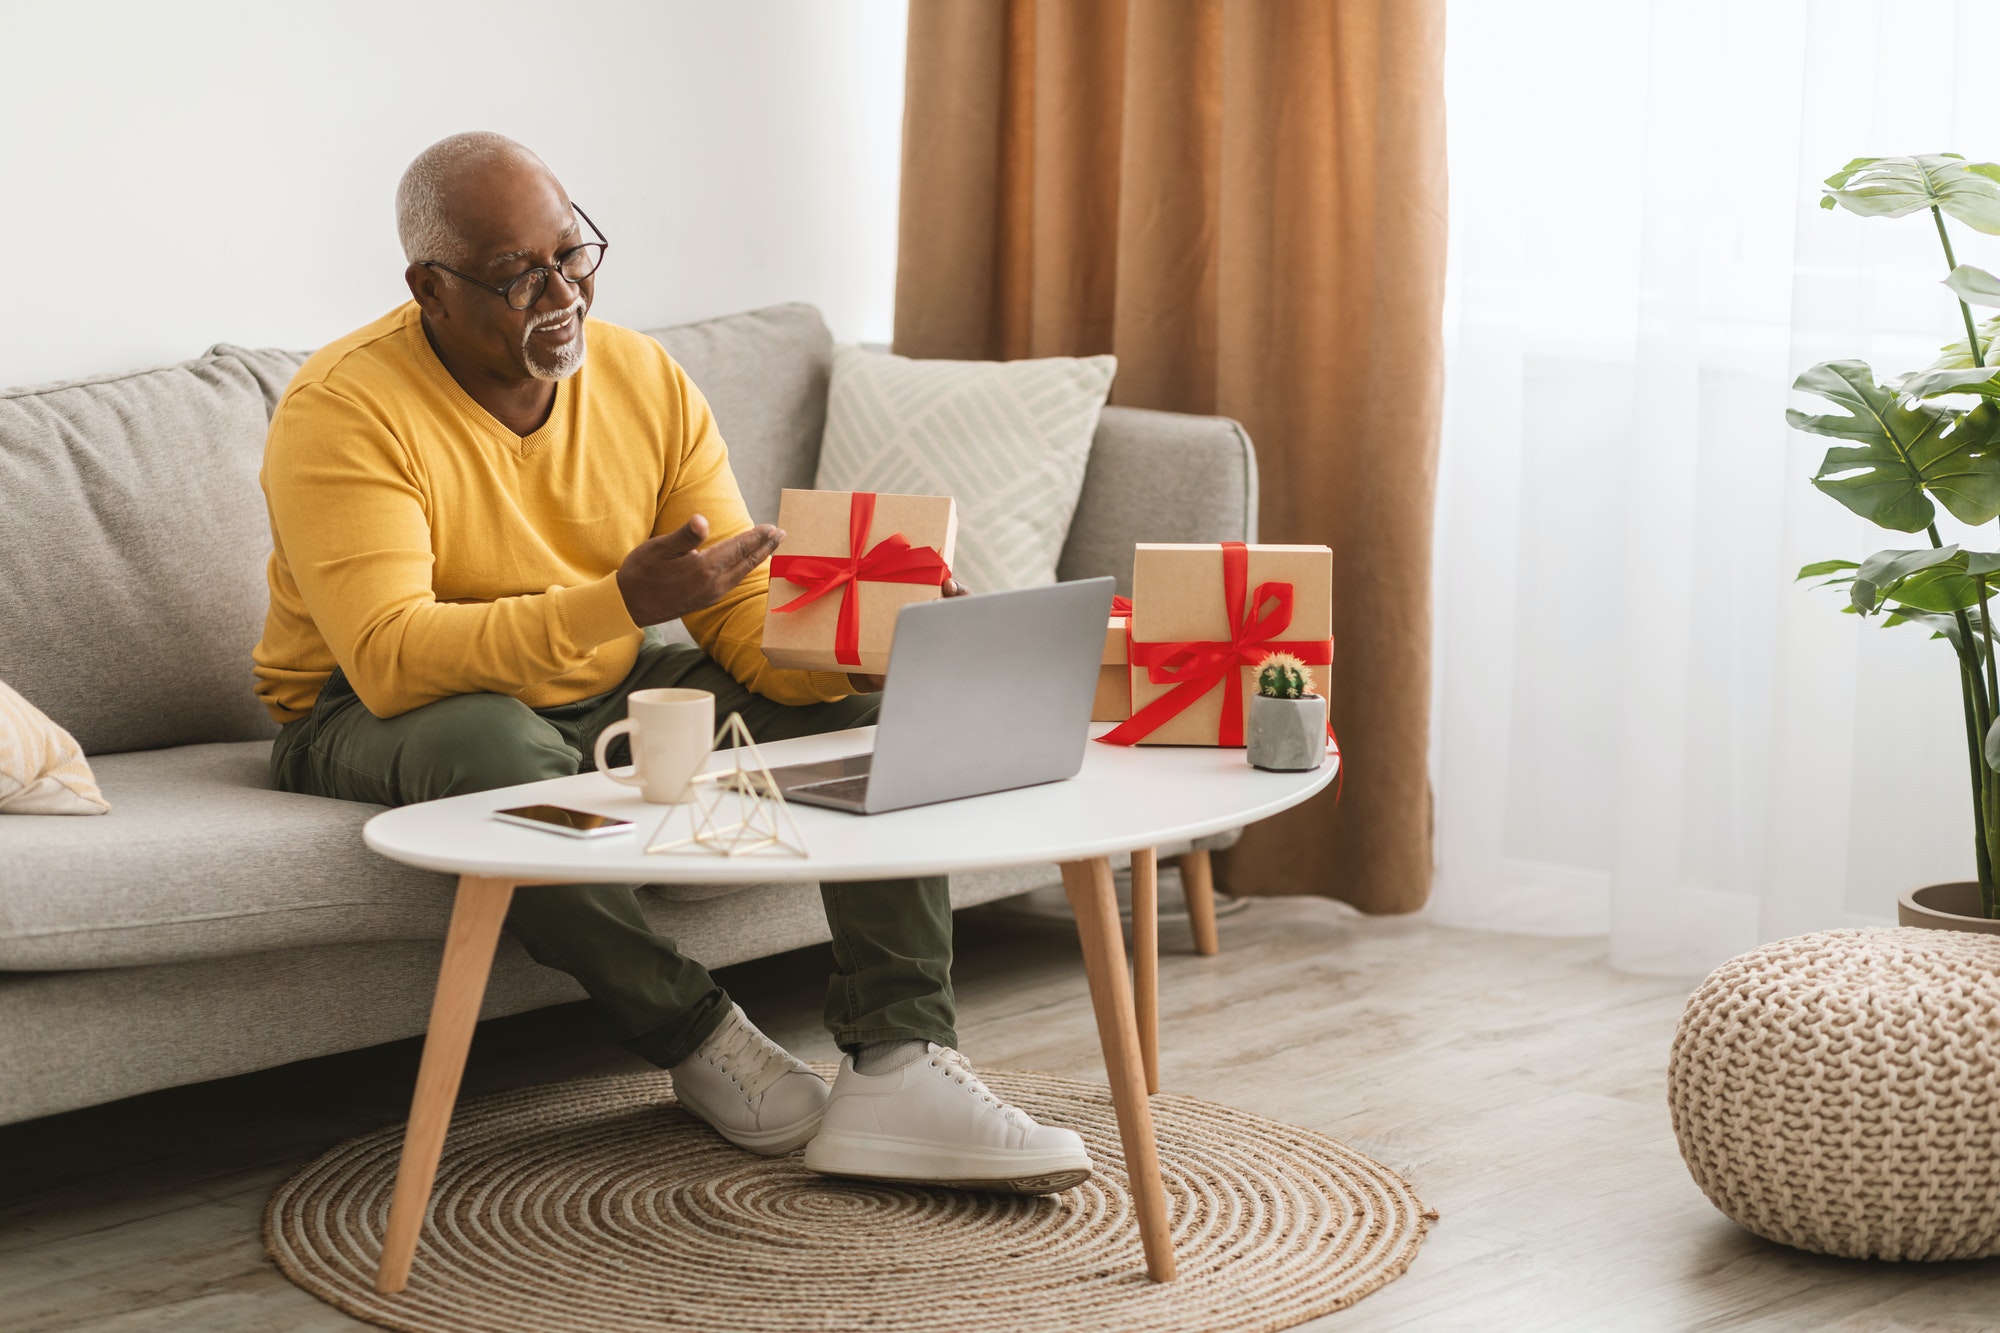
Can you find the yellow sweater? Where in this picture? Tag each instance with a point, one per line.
(430, 551)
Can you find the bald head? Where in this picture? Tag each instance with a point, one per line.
(501, 225)
(446, 181)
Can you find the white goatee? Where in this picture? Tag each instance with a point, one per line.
(568, 359)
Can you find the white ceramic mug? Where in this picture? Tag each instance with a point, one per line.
(672, 732)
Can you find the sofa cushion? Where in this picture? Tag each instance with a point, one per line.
(199, 858)
(271, 367)
(765, 376)
(1159, 477)
(91, 1036)
(133, 553)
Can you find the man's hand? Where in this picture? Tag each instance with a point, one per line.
(873, 684)
(664, 578)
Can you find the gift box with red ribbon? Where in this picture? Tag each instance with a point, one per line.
(1114, 685)
(1203, 617)
(850, 561)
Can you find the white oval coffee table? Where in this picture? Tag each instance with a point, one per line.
(1124, 800)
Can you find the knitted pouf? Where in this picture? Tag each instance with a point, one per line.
(1840, 1092)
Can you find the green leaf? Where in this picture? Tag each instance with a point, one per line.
(1893, 187)
(1887, 570)
(1908, 451)
(1992, 746)
(1942, 627)
(1940, 590)
(1885, 567)
(1974, 286)
(1814, 571)
(1930, 582)
(1982, 380)
(1957, 355)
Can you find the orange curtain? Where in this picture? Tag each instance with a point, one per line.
(1245, 201)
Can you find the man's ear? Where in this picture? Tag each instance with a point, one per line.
(423, 285)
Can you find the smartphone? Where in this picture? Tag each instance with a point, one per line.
(561, 819)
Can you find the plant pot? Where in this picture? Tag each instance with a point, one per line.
(1286, 735)
(1945, 907)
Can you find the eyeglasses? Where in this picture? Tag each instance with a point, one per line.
(575, 264)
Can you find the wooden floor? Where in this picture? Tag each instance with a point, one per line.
(1517, 1082)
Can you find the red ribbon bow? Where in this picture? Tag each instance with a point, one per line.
(891, 560)
(1196, 666)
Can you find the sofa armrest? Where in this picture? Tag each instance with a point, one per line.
(1159, 477)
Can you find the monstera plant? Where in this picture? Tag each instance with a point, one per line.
(1918, 441)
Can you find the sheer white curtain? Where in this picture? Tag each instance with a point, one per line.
(1643, 725)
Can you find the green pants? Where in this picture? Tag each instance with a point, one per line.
(891, 938)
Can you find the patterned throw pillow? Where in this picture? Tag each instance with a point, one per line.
(42, 771)
(1008, 439)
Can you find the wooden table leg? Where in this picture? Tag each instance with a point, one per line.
(476, 915)
(1198, 883)
(1146, 959)
(1093, 898)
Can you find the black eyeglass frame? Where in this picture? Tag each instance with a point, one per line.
(602, 244)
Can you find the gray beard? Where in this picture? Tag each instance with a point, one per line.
(565, 362)
(562, 365)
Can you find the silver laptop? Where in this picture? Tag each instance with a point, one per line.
(985, 693)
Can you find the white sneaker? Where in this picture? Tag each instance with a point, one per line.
(756, 1094)
(933, 1122)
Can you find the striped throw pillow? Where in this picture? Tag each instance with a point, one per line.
(1007, 439)
(42, 771)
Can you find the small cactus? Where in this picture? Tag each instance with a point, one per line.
(1282, 676)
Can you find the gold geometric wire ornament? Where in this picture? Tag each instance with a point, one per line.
(737, 811)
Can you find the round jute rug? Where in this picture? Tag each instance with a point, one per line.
(601, 1206)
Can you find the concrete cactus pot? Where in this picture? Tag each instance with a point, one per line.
(1953, 906)
(1286, 735)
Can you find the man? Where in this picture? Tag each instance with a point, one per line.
(477, 503)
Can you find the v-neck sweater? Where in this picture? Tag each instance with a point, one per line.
(428, 551)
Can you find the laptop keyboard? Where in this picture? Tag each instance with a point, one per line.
(846, 789)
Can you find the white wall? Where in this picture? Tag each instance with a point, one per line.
(179, 175)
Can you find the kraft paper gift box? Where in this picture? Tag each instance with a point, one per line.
(1114, 686)
(1203, 617)
(850, 561)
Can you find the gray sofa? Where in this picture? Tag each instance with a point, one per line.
(210, 925)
